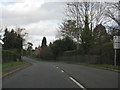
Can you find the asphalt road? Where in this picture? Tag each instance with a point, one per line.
(60, 75)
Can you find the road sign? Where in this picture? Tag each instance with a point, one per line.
(116, 40)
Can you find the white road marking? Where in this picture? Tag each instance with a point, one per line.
(81, 86)
(77, 83)
(62, 71)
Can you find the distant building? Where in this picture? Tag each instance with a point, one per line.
(37, 51)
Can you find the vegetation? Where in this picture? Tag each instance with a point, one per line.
(56, 48)
(10, 55)
(29, 49)
(105, 66)
(12, 64)
(89, 30)
(62, 45)
(46, 53)
(44, 42)
(84, 31)
(12, 40)
(13, 45)
(100, 66)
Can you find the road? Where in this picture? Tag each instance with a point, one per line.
(60, 75)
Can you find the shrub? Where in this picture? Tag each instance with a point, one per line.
(105, 51)
(9, 56)
(69, 53)
(46, 53)
(61, 45)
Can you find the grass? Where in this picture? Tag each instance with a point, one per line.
(0, 69)
(12, 64)
(106, 66)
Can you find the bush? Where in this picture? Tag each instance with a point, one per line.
(61, 45)
(96, 50)
(46, 53)
(105, 51)
(70, 53)
(9, 56)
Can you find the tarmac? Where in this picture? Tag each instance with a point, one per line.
(11, 70)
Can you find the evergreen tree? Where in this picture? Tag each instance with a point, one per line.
(86, 36)
(29, 49)
(44, 42)
(100, 35)
(6, 40)
(18, 43)
(12, 40)
(61, 45)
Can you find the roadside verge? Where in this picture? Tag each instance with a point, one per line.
(14, 69)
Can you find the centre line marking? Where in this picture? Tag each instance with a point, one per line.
(62, 71)
(57, 67)
(77, 83)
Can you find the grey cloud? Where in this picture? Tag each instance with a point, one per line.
(48, 11)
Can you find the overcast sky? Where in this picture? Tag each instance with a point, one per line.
(39, 18)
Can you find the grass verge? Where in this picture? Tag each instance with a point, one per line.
(12, 64)
(105, 66)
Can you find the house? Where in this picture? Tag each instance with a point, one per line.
(37, 51)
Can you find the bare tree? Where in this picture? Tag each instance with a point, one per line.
(113, 13)
(94, 11)
(79, 12)
(68, 28)
(22, 33)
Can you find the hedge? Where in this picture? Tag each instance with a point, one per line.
(8, 56)
(103, 54)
